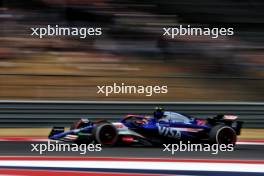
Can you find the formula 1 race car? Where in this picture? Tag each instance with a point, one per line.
(172, 127)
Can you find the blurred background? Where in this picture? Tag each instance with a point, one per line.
(132, 50)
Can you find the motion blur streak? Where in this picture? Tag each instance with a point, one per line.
(138, 166)
(132, 50)
(62, 173)
(242, 153)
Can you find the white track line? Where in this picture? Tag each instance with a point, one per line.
(185, 166)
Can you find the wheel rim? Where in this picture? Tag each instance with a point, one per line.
(226, 136)
(107, 135)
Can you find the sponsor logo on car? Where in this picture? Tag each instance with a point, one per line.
(169, 132)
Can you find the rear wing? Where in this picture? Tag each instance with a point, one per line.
(238, 126)
(230, 120)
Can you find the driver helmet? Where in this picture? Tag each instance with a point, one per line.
(159, 112)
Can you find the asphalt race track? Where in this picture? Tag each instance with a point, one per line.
(242, 152)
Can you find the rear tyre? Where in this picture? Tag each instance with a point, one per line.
(105, 134)
(222, 134)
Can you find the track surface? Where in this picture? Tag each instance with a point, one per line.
(242, 152)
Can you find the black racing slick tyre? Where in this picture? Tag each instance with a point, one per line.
(105, 134)
(222, 134)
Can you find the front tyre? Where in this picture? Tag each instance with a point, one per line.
(222, 134)
(105, 134)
